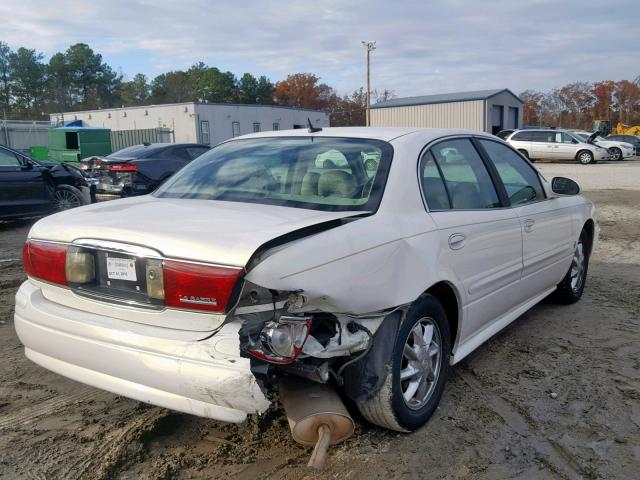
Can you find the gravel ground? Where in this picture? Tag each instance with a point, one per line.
(600, 176)
(555, 395)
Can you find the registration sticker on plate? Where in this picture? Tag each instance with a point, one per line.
(121, 269)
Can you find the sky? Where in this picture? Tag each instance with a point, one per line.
(423, 47)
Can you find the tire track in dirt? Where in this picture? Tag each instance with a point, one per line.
(25, 417)
(559, 459)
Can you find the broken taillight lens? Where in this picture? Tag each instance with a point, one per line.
(198, 286)
(282, 341)
(45, 261)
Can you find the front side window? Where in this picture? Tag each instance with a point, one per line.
(303, 172)
(8, 159)
(466, 180)
(520, 180)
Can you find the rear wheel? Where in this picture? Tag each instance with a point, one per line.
(585, 157)
(615, 154)
(66, 197)
(572, 285)
(418, 372)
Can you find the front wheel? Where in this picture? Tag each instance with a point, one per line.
(66, 197)
(570, 289)
(615, 154)
(585, 157)
(418, 371)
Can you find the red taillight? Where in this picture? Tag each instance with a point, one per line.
(123, 167)
(198, 287)
(45, 261)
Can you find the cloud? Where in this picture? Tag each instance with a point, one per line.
(423, 47)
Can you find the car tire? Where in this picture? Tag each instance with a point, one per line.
(616, 154)
(585, 157)
(406, 404)
(526, 155)
(570, 289)
(66, 197)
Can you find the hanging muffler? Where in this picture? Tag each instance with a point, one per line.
(317, 417)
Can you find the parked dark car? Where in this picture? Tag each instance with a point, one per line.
(140, 169)
(30, 188)
(632, 139)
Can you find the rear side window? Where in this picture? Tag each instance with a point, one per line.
(522, 137)
(520, 180)
(463, 175)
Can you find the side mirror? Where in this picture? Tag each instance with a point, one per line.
(27, 165)
(564, 186)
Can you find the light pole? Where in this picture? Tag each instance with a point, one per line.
(369, 46)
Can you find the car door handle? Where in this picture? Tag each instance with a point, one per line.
(528, 225)
(456, 241)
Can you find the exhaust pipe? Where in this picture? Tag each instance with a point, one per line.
(317, 417)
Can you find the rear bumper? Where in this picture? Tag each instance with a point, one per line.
(206, 378)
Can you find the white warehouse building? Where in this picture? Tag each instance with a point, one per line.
(484, 110)
(197, 122)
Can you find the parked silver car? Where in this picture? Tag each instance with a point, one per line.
(556, 145)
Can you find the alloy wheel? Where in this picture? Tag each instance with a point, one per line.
(65, 199)
(420, 365)
(585, 157)
(577, 267)
(615, 153)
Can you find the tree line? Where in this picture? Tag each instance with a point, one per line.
(579, 104)
(79, 79)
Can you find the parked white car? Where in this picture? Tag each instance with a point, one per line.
(279, 253)
(553, 144)
(618, 150)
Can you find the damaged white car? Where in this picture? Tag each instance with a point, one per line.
(291, 254)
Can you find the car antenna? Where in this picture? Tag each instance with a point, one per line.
(311, 128)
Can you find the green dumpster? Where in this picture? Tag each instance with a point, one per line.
(71, 144)
(39, 153)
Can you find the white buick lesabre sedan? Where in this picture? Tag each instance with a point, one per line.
(292, 253)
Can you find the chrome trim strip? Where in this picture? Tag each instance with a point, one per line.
(118, 247)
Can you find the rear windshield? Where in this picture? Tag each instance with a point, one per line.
(334, 174)
(136, 151)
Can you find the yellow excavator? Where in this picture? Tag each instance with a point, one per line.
(622, 129)
(604, 127)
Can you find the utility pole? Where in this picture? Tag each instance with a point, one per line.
(370, 46)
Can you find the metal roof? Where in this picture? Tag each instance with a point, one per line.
(444, 98)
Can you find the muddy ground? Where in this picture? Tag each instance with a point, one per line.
(555, 395)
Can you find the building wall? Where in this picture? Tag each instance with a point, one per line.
(184, 119)
(222, 117)
(179, 117)
(467, 115)
(506, 100)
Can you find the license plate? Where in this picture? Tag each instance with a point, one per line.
(121, 269)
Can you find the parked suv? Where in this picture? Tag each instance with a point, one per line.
(30, 188)
(140, 169)
(556, 145)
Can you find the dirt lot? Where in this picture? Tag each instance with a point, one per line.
(556, 395)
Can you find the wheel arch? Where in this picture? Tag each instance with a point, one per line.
(589, 227)
(447, 294)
